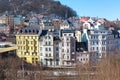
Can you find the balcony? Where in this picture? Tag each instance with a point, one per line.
(49, 57)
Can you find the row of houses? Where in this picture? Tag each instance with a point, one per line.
(67, 46)
(10, 24)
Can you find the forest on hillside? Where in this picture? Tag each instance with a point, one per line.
(46, 7)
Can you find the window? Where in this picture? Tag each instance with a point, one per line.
(67, 57)
(57, 48)
(18, 47)
(97, 42)
(63, 56)
(18, 42)
(46, 49)
(23, 42)
(84, 59)
(73, 50)
(67, 50)
(24, 58)
(57, 54)
(49, 55)
(40, 43)
(32, 60)
(46, 55)
(49, 43)
(31, 48)
(96, 48)
(73, 56)
(81, 59)
(40, 48)
(65, 34)
(32, 53)
(41, 54)
(48, 37)
(50, 62)
(91, 37)
(62, 50)
(67, 43)
(104, 42)
(45, 43)
(56, 43)
(93, 42)
(67, 39)
(19, 37)
(57, 62)
(62, 44)
(49, 49)
(69, 34)
(103, 48)
(31, 42)
(103, 37)
(96, 37)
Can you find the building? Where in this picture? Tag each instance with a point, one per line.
(78, 35)
(46, 25)
(34, 21)
(102, 41)
(4, 28)
(17, 23)
(57, 48)
(46, 48)
(28, 45)
(67, 48)
(56, 24)
(85, 57)
(49, 48)
(66, 24)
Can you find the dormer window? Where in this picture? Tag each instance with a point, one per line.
(48, 37)
(29, 31)
(25, 31)
(37, 31)
(33, 31)
(20, 31)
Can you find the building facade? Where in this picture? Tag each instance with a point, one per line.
(27, 43)
(102, 41)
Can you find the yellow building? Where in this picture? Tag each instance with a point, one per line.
(28, 45)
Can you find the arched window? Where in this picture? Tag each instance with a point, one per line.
(37, 31)
(33, 31)
(29, 31)
(25, 31)
(20, 31)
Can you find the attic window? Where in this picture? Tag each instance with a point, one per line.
(25, 31)
(37, 31)
(20, 31)
(29, 31)
(33, 31)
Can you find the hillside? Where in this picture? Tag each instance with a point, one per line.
(46, 7)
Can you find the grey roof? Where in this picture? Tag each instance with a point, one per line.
(30, 30)
(56, 38)
(68, 31)
(66, 22)
(48, 23)
(44, 32)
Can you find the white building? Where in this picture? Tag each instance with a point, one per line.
(67, 48)
(86, 57)
(102, 41)
(49, 48)
(66, 25)
(57, 48)
(46, 48)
